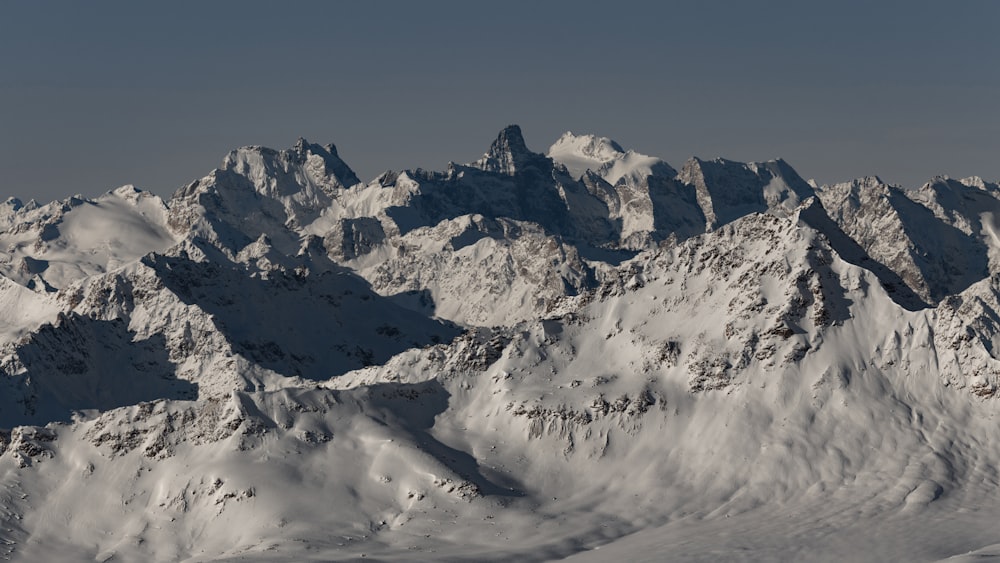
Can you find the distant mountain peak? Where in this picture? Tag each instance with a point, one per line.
(604, 156)
(868, 182)
(508, 154)
(261, 161)
(602, 149)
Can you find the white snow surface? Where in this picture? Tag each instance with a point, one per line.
(61, 242)
(579, 153)
(500, 363)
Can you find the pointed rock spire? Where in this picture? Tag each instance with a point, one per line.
(508, 154)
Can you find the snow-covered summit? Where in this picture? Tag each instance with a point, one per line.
(307, 163)
(579, 153)
(258, 190)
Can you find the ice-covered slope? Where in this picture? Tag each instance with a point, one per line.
(529, 357)
(579, 153)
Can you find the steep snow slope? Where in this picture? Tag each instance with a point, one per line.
(22, 310)
(829, 414)
(773, 388)
(579, 153)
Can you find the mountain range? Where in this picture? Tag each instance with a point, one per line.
(584, 354)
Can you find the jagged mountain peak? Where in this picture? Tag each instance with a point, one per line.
(779, 167)
(864, 192)
(977, 182)
(14, 203)
(728, 189)
(386, 179)
(698, 170)
(862, 183)
(930, 237)
(303, 146)
(509, 154)
(972, 195)
(720, 166)
(322, 162)
(261, 190)
(510, 137)
(126, 190)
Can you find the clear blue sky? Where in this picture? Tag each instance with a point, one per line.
(98, 94)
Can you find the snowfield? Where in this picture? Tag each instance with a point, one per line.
(585, 355)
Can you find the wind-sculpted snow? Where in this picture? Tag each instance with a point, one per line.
(584, 354)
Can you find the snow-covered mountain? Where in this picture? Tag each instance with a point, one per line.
(933, 257)
(585, 353)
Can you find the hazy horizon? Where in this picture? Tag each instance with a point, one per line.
(156, 95)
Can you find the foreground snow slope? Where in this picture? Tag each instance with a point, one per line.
(526, 358)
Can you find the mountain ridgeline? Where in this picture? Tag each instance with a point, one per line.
(454, 359)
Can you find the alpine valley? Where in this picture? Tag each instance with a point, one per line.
(585, 354)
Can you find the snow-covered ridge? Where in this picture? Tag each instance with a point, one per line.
(47, 247)
(522, 358)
